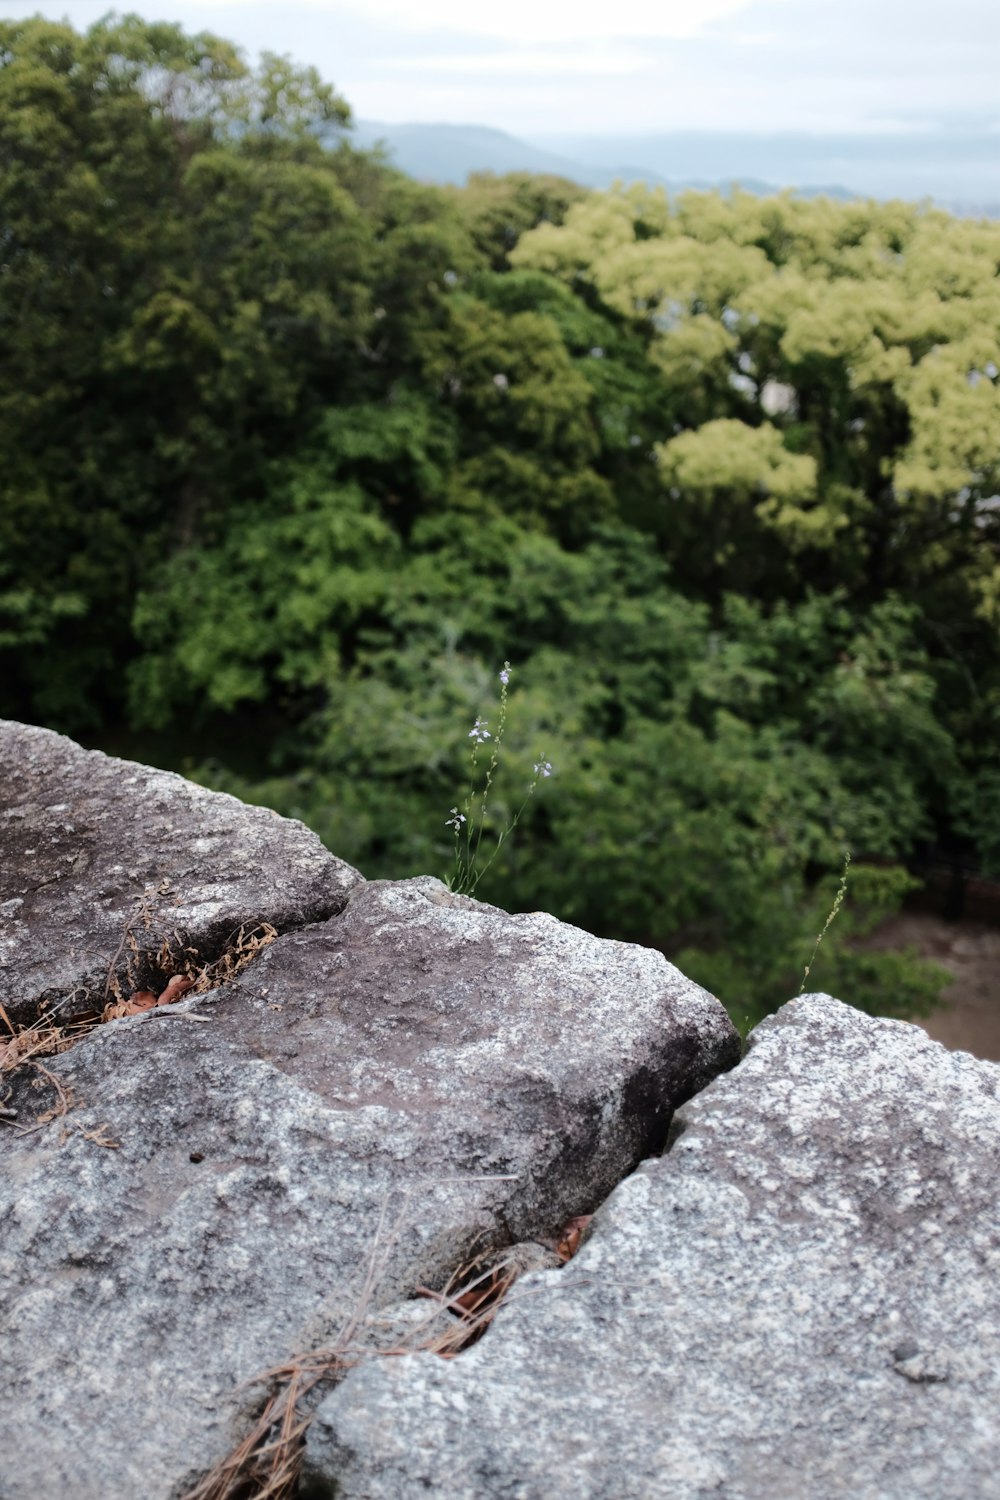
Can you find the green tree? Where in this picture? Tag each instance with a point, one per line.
(183, 274)
(499, 209)
(294, 452)
(861, 333)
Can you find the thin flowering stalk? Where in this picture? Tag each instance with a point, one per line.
(469, 823)
(478, 734)
(455, 822)
(838, 902)
(542, 770)
(504, 675)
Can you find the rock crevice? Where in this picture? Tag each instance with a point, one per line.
(800, 1298)
(413, 1079)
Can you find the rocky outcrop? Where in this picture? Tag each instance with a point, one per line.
(190, 1196)
(800, 1299)
(112, 874)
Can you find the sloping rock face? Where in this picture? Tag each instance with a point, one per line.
(102, 862)
(801, 1300)
(379, 1095)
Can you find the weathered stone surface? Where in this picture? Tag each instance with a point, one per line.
(412, 1079)
(801, 1300)
(93, 849)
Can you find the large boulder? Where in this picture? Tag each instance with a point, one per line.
(192, 1195)
(800, 1299)
(112, 875)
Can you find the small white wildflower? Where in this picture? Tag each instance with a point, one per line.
(456, 820)
(479, 731)
(504, 675)
(501, 382)
(543, 768)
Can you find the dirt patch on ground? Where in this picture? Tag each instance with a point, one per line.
(969, 1018)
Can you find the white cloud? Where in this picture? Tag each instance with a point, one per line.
(560, 66)
(536, 20)
(525, 63)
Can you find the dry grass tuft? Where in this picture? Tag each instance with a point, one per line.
(175, 962)
(172, 960)
(242, 948)
(267, 1464)
(23, 1045)
(181, 969)
(474, 1294)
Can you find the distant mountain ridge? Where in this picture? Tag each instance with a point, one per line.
(448, 153)
(959, 171)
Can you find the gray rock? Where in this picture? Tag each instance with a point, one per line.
(103, 861)
(376, 1099)
(801, 1300)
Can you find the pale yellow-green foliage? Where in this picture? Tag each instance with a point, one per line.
(896, 302)
(832, 321)
(592, 228)
(955, 409)
(746, 461)
(662, 276)
(694, 349)
(989, 594)
(750, 464)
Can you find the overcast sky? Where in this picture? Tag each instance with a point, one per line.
(537, 67)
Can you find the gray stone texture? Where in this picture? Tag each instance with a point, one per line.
(388, 1091)
(93, 849)
(800, 1301)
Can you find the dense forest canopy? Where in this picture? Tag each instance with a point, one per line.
(296, 452)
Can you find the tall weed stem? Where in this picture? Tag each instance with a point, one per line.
(468, 822)
(838, 902)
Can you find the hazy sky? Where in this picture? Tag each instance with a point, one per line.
(546, 66)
